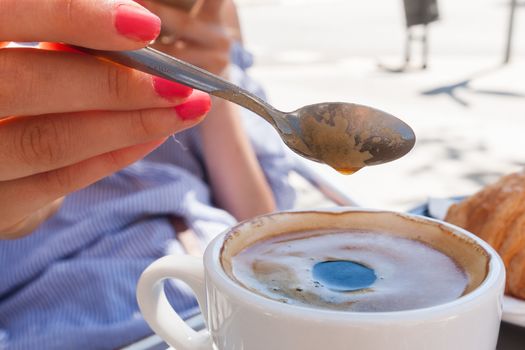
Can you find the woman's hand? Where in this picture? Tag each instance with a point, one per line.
(68, 119)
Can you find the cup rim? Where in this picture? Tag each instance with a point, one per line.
(215, 271)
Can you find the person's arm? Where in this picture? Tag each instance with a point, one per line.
(238, 182)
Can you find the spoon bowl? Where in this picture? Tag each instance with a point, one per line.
(346, 136)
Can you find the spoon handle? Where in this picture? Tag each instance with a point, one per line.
(154, 62)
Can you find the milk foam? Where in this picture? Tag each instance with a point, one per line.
(410, 274)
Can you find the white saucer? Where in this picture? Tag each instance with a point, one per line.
(514, 311)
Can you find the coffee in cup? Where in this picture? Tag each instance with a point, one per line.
(359, 266)
(349, 270)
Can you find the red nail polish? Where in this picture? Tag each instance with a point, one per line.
(197, 105)
(169, 89)
(137, 23)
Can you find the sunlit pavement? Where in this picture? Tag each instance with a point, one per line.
(468, 111)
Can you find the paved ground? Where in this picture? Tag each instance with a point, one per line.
(467, 110)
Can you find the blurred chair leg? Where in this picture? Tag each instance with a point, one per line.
(424, 46)
(408, 46)
(510, 31)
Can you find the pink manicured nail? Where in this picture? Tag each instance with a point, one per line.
(169, 89)
(197, 105)
(137, 23)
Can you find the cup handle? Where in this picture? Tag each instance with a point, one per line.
(155, 306)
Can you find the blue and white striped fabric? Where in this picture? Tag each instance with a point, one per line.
(71, 284)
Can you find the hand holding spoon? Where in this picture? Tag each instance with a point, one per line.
(345, 136)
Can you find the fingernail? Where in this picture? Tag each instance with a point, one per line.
(169, 89)
(197, 105)
(137, 23)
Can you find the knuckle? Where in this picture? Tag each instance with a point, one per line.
(143, 125)
(116, 82)
(111, 162)
(114, 162)
(60, 180)
(42, 142)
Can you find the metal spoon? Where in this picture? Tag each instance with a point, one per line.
(345, 136)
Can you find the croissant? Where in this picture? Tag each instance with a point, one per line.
(496, 214)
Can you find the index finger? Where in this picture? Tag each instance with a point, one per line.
(100, 24)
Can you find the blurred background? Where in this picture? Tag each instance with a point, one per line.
(467, 108)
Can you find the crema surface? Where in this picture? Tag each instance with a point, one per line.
(408, 274)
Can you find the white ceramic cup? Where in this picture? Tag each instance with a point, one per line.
(238, 319)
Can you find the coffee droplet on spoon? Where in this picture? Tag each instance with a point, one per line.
(348, 171)
(344, 275)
